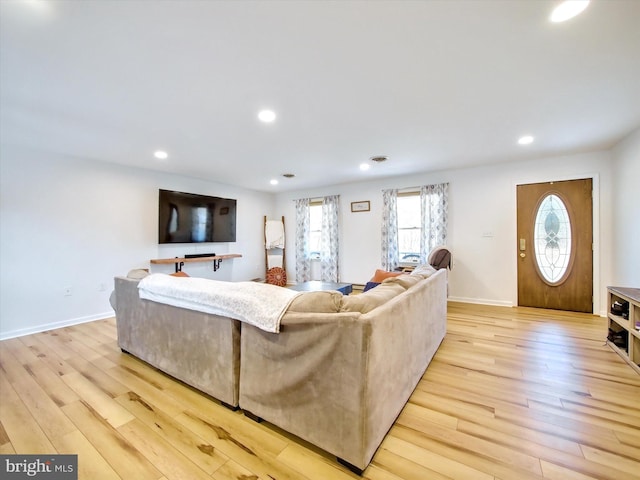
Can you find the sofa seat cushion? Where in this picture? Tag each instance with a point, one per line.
(365, 302)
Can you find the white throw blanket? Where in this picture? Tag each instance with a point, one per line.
(259, 304)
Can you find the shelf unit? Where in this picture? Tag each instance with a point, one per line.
(180, 261)
(626, 327)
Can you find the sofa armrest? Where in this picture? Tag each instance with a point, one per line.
(308, 379)
(340, 380)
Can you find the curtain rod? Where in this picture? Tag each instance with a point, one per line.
(312, 199)
(416, 187)
(402, 189)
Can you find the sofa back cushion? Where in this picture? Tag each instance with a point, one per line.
(138, 273)
(424, 270)
(404, 280)
(316, 302)
(365, 302)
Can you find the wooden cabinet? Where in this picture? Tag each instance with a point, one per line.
(624, 333)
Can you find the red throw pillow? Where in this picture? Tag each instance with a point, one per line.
(277, 276)
(179, 274)
(380, 275)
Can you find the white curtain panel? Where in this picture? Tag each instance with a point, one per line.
(303, 262)
(434, 201)
(390, 255)
(330, 238)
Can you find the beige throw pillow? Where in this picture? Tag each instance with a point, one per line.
(405, 280)
(424, 270)
(316, 302)
(137, 273)
(367, 301)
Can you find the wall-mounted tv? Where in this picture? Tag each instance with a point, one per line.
(191, 218)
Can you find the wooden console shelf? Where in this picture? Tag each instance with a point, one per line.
(625, 328)
(179, 262)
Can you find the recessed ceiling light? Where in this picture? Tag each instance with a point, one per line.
(273, 181)
(567, 10)
(267, 116)
(526, 140)
(379, 158)
(160, 154)
(364, 166)
(288, 175)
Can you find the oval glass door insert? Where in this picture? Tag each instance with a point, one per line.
(552, 239)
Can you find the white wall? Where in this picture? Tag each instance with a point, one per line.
(481, 200)
(75, 223)
(626, 214)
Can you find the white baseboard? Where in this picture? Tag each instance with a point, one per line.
(497, 303)
(481, 301)
(51, 326)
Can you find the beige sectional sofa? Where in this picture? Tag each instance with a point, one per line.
(336, 375)
(200, 349)
(339, 379)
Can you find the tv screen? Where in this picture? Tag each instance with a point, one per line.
(192, 218)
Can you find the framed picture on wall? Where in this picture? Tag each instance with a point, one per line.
(363, 206)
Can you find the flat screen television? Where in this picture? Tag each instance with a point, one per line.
(191, 218)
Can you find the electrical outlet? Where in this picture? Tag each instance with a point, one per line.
(68, 291)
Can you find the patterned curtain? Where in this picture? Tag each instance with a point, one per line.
(303, 262)
(434, 205)
(330, 238)
(390, 255)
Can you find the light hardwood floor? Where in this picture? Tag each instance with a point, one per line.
(513, 393)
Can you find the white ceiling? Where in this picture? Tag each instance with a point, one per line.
(432, 84)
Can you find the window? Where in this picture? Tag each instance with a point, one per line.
(315, 230)
(413, 223)
(552, 239)
(409, 227)
(317, 237)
